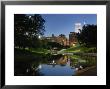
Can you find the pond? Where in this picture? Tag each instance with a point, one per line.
(63, 65)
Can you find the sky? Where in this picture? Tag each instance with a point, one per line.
(64, 23)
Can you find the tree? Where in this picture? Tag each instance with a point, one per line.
(88, 35)
(54, 45)
(27, 28)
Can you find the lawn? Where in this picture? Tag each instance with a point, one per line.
(81, 49)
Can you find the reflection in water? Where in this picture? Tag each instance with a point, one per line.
(63, 66)
(57, 70)
(40, 66)
(59, 67)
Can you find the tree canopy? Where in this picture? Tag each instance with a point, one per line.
(27, 29)
(88, 35)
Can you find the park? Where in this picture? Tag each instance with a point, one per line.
(38, 55)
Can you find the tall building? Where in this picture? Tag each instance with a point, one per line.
(72, 38)
(78, 27)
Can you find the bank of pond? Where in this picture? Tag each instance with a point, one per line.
(39, 64)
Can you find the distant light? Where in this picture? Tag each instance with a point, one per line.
(40, 66)
(53, 61)
(39, 37)
(26, 33)
(29, 16)
(76, 69)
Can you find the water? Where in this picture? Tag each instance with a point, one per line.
(55, 66)
(54, 69)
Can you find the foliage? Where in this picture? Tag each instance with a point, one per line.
(27, 28)
(88, 35)
(54, 44)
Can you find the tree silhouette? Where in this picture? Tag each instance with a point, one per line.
(88, 35)
(27, 28)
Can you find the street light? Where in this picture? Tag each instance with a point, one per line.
(39, 37)
(29, 16)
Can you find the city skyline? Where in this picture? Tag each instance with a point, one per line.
(65, 23)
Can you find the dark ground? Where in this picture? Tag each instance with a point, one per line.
(90, 72)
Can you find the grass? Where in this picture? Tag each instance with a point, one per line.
(81, 49)
(75, 56)
(32, 55)
(38, 50)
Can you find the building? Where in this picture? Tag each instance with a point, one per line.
(73, 35)
(78, 27)
(51, 38)
(72, 38)
(61, 39)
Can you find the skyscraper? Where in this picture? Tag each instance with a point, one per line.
(78, 27)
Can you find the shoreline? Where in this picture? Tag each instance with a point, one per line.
(87, 71)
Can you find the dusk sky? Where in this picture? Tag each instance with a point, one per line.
(64, 23)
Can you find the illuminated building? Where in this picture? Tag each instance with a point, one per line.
(72, 38)
(78, 27)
